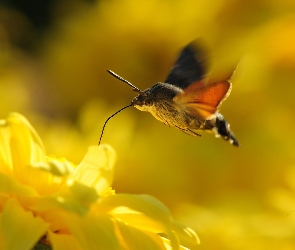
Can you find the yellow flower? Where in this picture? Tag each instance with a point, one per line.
(48, 201)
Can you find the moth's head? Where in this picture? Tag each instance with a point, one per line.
(144, 101)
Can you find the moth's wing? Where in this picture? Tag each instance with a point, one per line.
(191, 66)
(203, 101)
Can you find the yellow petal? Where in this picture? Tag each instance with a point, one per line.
(93, 232)
(138, 220)
(167, 244)
(82, 194)
(187, 236)
(5, 157)
(96, 169)
(9, 186)
(63, 241)
(19, 228)
(48, 177)
(20, 145)
(55, 167)
(16, 117)
(75, 198)
(26, 145)
(133, 238)
(145, 204)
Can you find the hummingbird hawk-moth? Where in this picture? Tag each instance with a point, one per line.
(188, 99)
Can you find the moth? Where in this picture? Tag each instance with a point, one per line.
(189, 99)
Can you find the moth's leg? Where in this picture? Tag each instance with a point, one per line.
(163, 120)
(188, 131)
(167, 124)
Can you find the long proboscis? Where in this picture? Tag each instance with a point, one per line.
(125, 81)
(109, 119)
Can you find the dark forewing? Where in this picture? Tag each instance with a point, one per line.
(190, 67)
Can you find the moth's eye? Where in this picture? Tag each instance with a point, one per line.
(149, 102)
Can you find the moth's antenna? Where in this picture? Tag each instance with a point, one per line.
(123, 80)
(109, 119)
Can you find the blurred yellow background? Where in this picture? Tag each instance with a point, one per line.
(53, 70)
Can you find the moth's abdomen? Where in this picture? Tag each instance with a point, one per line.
(222, 128)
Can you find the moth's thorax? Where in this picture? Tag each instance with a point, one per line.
(158, 100)
(160, 92)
